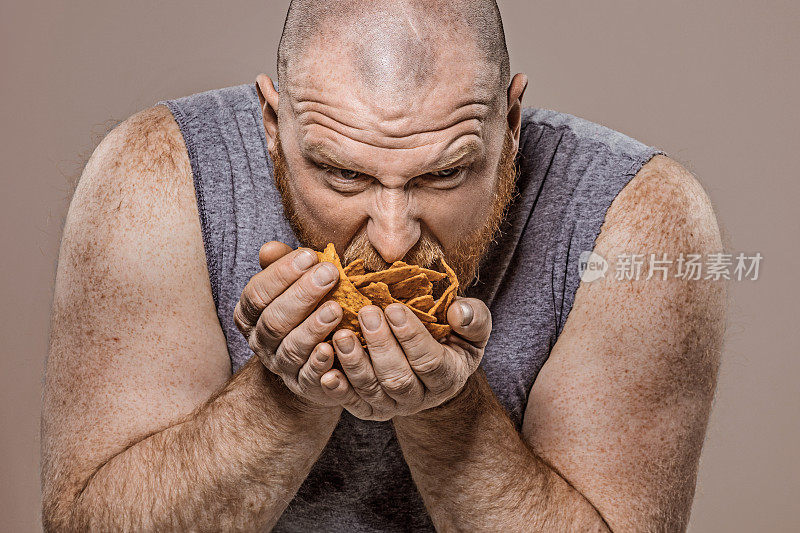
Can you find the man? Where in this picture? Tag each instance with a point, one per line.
(396, 133)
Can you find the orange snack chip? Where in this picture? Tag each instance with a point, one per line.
(412, 285)
(423, 303)
(356, 268)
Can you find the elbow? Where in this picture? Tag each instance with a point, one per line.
(57, 515)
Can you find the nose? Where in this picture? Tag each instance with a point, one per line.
(392, 229)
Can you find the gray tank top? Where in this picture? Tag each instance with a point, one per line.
(570, 170)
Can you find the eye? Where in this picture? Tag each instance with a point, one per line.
(446, 173)
(342, 173)
(348, 174)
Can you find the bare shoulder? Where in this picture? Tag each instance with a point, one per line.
(620, 407)
(146, 149)
(135, 342)
(663, 205)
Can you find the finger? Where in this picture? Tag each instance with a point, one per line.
(428, 358)
(389, 360)
(336, 387)
(294, 349)
(471, 320)
(268, 284)
(292, 306)
(271, 252)
(358, 368)
(319, 362)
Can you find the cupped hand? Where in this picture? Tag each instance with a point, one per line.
(276, 314)
(406, 369)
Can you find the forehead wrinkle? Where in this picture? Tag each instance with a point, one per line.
(323, 128)
(326, 150)
(311, 113)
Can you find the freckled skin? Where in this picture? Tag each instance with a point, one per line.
(143, 426)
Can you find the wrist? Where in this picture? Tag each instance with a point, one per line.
(292, 404)
(463, 404)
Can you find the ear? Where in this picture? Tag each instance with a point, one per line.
(268, 98)
(516, 90)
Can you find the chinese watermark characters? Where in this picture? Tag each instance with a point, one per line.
(691, 267)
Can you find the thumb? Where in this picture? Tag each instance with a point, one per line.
(271, 252)
(471, 320)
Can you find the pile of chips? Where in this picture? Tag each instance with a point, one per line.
(428, 293)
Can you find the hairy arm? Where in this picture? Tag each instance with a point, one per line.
(143, 427)
(616, 418)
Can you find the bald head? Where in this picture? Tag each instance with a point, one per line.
(394, 45)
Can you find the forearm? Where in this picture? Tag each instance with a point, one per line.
(475, 472)
(233, 465)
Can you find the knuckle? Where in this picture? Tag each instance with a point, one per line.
(264, 336)
(292, 346)
(259, 295)
(372, 389)
(414, 340)
(305, 293)
(309, 377)
(430, 366)
(400, 385)
(241, 324)
(276, 323)
(282, 275)
(358, 407)
(381, 342)
(254, 299)
(288, 359)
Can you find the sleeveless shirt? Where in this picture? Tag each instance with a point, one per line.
(570, 170)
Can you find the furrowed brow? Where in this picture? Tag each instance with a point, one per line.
(326, 155)
(463, 152)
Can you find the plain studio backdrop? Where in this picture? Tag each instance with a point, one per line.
(715, 84)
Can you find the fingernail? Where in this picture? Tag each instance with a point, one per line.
(325, 274)
(332, 383)
(466, 313)
(304, 260)
(328, 313)
(322, 357)
(396, 315)
(345, 344)
(371, 319)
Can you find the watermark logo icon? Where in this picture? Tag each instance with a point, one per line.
(591, 266)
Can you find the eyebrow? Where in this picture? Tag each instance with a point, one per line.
(323, 152)
(462, 152)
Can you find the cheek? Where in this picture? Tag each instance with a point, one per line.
(335, 217)
(451, 215)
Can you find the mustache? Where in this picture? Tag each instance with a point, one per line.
(425, 253)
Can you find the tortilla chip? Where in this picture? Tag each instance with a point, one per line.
(412, 287)
(433, 275)
(344, 292)
(356, 268)
(423, 303)
(388, 276)
(423, 316)
(438, 331)
(350, 320)
(379, 294)
(439, 310)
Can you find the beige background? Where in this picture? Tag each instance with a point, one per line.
(713, 83)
